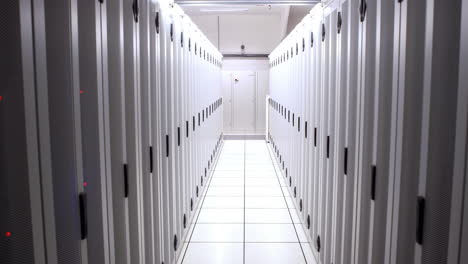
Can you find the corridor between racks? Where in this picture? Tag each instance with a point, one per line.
(247, 214)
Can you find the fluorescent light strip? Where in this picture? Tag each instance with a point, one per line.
(223, 9)
(244, 2)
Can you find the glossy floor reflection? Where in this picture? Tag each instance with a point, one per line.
(246, 215)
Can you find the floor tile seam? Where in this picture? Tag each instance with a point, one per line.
(240, 242)
(243, 246)
(232, 223)
(289, 211)
(201, 205)
(266, 208)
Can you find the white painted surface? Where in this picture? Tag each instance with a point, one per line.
(243, 85)
(245, 105)
(259, 33)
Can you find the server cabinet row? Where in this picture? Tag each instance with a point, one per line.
(363, 116)
(111, 121)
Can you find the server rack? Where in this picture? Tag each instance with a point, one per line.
(379, 179)
(23, 171)
(100, 104)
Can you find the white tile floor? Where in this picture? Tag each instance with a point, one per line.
(246, 216)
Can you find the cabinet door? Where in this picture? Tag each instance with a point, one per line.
(117, 126)
(352, 24)
(131, 40)
(22, 169)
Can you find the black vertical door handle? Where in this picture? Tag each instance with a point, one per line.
(151, 159)
(135, 10)
(125, 168)
(421, 207)
(83, 216)
(363, 9)
(156, 22)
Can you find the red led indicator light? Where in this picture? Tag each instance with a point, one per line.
(85, 184)
(81, 92)
(8, 234)
(1, 98)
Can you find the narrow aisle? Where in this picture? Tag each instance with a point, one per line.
(247, 215)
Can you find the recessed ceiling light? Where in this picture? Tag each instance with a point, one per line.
(223, 9)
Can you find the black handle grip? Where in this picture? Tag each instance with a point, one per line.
(83, 216)
(151, 158)
(339, 22)
(156, 22)
(125, 168)
(374, 180)
(135, 10)
(323, 32)
(178, 136)
(421, 207)
(167, 145)
(346, 161)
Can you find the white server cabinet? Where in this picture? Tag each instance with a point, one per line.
(117, 128)
(28, 230)
(145, 25)
(374, 102)
(102, 162)
(94, 102)
(427, 86)
(385, 102)
(131, 42)
(340, 154)
(155, 132)
(64, 125)
(351, 26)
(458, 240)
(166, 173)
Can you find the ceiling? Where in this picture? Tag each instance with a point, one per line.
(234, 10)
(259, 26)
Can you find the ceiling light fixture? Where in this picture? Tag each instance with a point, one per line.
(223, 9)
(245, 2)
